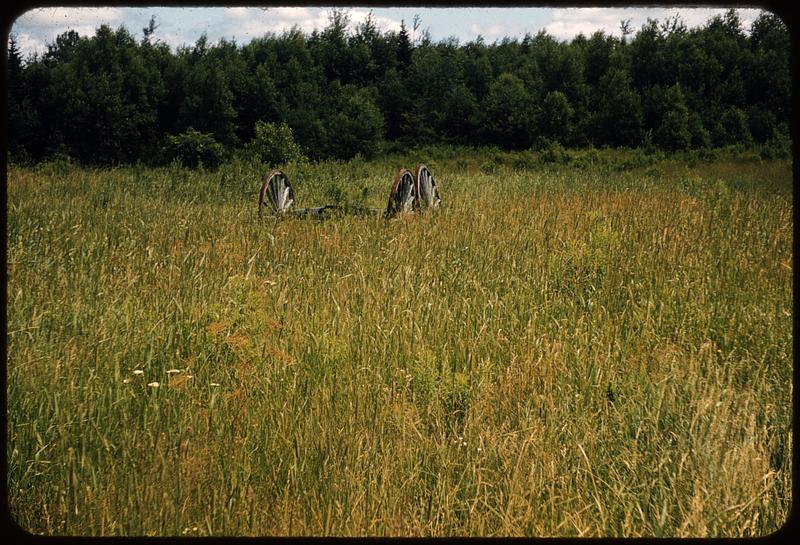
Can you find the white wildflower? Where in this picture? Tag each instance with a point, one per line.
(138, 372)
(154, 384)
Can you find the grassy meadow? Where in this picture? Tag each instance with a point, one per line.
(594, 348)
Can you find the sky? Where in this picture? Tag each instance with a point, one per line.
(178, 26)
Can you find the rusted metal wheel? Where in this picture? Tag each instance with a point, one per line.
(276, 193)
(427, 194)
(403, 194)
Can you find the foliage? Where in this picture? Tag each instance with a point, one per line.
(597, 348)
(673, 130)
(355, 125)
(274, 145)
(556, 118)
(508, 113)
(193, 148)
(620, 113)
(777, 147)
(554, 152)
(107, 99)
(732, 128)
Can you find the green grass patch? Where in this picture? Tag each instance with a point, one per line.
(594, 346)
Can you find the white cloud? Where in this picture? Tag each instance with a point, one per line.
(179, 26)
(291, 13)
(41, 26)
(71, 17)
(29, 44)
(358, 16)
(237, 13)
(248, 23)
(494, 31)
(569, 22)
(173, 40)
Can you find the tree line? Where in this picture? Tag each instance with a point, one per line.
(334, 93)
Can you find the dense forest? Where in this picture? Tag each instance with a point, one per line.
(110, 99)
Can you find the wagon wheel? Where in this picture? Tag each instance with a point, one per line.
(403, 194)
(276, 192)
(427, 194)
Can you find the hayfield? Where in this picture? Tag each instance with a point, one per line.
(597, 348)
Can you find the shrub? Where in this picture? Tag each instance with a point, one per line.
(274, 144)
(588, 158)
(193, 148)
(777, 147)
(524, 159)
(673, 133)
(700, 137)
(60, 163)
(762, 123)
(350, 198)
(356, 127)
(733, 128)
(555, 120)
(554, 152)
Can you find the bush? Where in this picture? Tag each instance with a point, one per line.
(777, 147)
(589, 158)
(673, 134)
(59, 163)
(193, 148)
(356, 127)
(555, 119)
(350, 198)
(762, 123)
(700, 137)
(274, 145)
(525, 159)
(554, 152)
(733, 128)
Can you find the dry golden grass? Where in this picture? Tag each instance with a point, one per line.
(557, 352)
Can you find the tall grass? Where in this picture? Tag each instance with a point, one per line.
(562, 350)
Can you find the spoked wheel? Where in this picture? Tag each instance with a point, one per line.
(427, 194)
(403, 194)
(276, 193)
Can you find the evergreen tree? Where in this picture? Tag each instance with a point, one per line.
(699, 135)
(555, 122)
(620, 112)
(111, 99)
(403, 46)
(355, 125)
(208, 94)
(394, 100)
(16, 109)
(459, 117)
(733, 128)
(769, 82)
(673, 129)
(508, 113)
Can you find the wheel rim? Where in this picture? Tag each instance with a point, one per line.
(427, 194)
(276, 193)
(403, 193)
